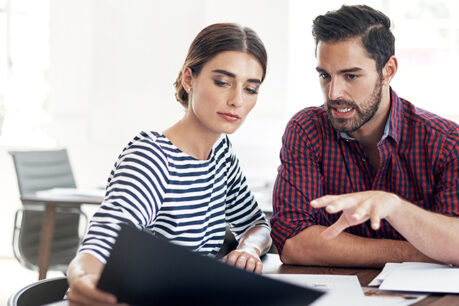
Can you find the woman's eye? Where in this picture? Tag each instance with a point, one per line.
(251, 91)
(220, 83)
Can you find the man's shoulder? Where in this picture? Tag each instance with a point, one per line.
(429, 120)
(310, 115)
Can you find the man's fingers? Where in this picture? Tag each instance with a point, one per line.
(362, 212)
(336, 203)
(323, 201)
(375, 217)
(335, 229)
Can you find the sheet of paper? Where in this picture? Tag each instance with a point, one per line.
(71, 192)
(374, 296)
(389, 267)
(422, 277)
(341, 289)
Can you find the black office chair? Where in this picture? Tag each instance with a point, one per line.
(40, 170)
(40, 293)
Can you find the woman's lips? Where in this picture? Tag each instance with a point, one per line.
(229, 117)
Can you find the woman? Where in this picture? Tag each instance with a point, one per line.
(185, 184)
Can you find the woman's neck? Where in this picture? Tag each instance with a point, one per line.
(192, 138)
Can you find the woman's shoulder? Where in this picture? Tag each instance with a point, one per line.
(148, 144)
(222, 146)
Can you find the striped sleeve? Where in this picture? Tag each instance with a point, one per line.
(135, 191)
(242, 210)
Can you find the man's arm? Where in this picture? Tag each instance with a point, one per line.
(310, 248)
(433, 234)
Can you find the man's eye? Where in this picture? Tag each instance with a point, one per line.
(352, 76)
(251, 91)
(324, 75)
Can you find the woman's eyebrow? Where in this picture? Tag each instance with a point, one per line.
(232, 75)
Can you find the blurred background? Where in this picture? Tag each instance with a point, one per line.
(88, 75)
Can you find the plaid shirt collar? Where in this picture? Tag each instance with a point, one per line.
(392, 127)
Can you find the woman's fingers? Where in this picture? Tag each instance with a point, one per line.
(244, 261)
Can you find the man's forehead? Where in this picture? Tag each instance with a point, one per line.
(343, 54)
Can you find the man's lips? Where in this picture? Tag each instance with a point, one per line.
(342, 111)
(229, 116)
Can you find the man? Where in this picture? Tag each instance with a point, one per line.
(367, 178)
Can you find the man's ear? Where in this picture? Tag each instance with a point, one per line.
(187, 79)
(389, 70)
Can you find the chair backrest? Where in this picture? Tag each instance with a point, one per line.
(39, 170)
(40, 293)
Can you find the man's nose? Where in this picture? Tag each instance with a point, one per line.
(335, 90)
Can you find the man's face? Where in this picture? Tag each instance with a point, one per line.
(351, 84)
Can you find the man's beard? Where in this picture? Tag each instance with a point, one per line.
(364, 113)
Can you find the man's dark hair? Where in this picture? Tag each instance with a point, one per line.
(358, 21)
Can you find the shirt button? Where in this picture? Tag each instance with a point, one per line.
(364, 159)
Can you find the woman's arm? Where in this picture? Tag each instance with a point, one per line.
(83, 274)
(254, 243)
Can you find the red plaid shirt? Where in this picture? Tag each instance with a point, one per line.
(419, 155)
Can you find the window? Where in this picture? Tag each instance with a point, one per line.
(24, 56)
(426, 46)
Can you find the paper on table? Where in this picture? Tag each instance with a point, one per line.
(422, 277)
(341, 289)
(71, 192)
(374, 296)
(388, 267)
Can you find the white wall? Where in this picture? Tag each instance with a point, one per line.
(112, 66)
(113, 63)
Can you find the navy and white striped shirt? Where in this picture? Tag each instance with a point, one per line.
(157, 187)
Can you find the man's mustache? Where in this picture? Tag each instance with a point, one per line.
(341, 102)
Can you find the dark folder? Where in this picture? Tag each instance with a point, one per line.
(144, 269)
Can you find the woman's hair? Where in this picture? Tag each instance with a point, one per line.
(211, 41)
(372, 26)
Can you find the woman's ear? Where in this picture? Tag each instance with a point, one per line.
(187, 79)
(390, 69)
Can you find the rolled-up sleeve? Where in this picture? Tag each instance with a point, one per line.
(299, 181)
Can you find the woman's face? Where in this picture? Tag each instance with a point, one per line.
(225, 91)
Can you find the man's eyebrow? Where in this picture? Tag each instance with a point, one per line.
(318, 69)
(232, 75)
(353, 69)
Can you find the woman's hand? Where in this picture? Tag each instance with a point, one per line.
(245, 258)
(83, 291)
(83, 274)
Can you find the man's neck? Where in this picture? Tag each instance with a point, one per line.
(371, 132)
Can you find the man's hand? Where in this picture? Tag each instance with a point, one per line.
(357, 208)
(245, 258)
